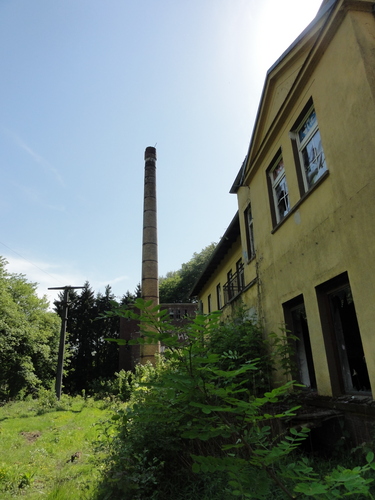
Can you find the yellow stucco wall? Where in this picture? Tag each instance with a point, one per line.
(228, 263)
(329, 231)
(332, 230)
(281, 79)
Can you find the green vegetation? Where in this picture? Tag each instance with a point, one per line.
(177, 285)
(30, 333)
(29, 336)
(204, 423)
(92, 360)
(48, 449)
(196, 425)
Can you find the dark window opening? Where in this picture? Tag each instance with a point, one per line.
(346, 358)
(249, 233)
(218, 297)
(235, 283)
(241, 274)
(296, 322)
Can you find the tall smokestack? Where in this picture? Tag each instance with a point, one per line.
(150, 274)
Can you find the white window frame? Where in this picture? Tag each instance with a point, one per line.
(313, 133)
(275, 183)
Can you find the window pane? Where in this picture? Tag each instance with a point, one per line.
(218, 294)
(249, 233)
(307, 126)
(280, 190)
(313, 159)
(282, 198)
(279, 169)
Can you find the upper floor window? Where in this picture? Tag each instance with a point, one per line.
(280, 205)
(218, 296)
(249, 233)
(240, 275)
(235, 284)
(209, 304)
(310, 150)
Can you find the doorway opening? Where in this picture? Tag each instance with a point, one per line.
(345, 355)
(296, 322)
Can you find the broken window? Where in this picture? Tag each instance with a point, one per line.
(310, 156)
(280, 196)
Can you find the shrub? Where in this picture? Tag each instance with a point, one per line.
(117, 387)
(198, 418)
(239, 341)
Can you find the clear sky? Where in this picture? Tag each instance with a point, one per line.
(86, 86)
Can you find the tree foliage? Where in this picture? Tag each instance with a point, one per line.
(177, 285)
(29, 336)
(195, 427)
(92, 359)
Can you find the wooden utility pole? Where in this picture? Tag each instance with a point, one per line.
(64, 320)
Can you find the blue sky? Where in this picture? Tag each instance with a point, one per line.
(86, 86)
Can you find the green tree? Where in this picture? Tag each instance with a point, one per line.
(177, 285)
(105, 355)
(129, 298)
(29, 336)
(92, 358)
(80, 328)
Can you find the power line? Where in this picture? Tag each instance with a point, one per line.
(22, 257)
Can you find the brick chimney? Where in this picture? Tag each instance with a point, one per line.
(150, 273)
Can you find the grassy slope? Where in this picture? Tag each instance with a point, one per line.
(36, 450)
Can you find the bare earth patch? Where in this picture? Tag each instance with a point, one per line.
(31, 436)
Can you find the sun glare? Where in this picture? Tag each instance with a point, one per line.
(279, 24)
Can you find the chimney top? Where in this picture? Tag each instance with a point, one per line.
(150, 153)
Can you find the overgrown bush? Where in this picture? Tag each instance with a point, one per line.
(118, 387)
(239, 341)
(198, 422)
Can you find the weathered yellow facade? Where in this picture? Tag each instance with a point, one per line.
(306, 202)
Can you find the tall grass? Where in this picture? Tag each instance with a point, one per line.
(47, 448)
